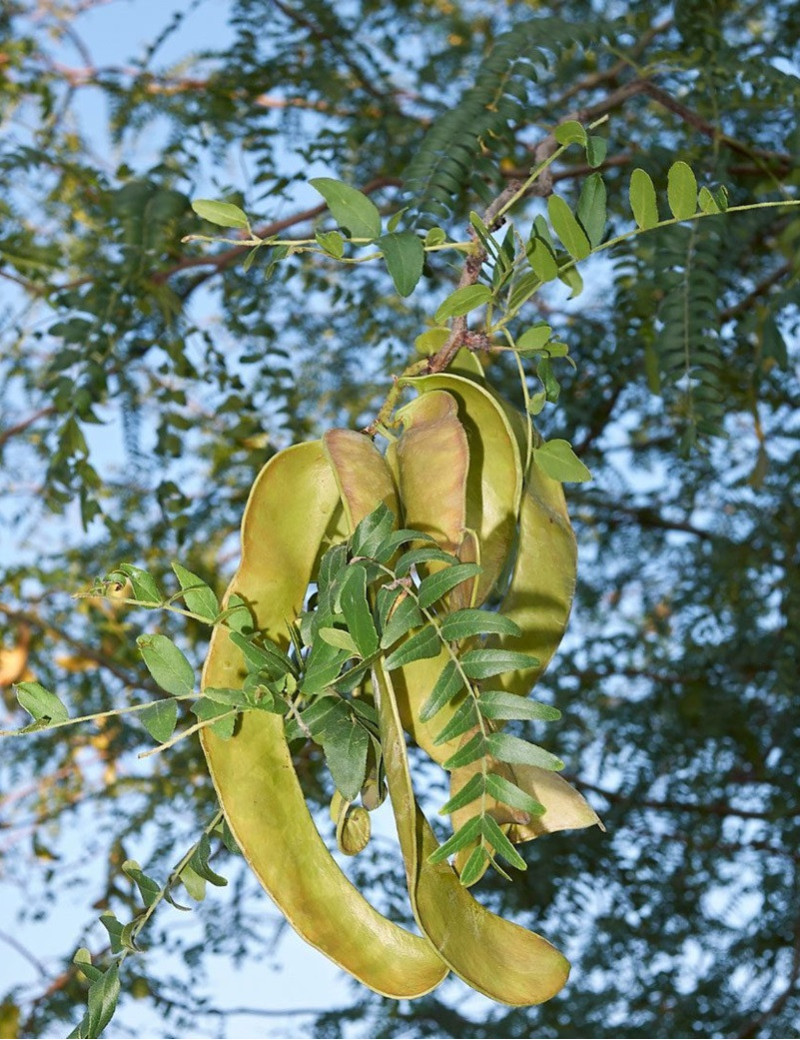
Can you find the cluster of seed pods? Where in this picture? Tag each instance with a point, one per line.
(456, 473)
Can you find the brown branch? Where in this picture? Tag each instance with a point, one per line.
(761, 289)
(83, 649)
(22, 426)
(220, 261)
(469, 276)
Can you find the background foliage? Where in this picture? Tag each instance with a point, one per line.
(143, 382)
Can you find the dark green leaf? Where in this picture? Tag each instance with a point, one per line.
(448, 683)
(199, 863)
(102, 1000)
(356, 611)
(521, 752)
(497, 704)
(372, 531)
(167, 664)
(474, 748)
(405, 257)
(346, 744)
(500, 843)
(143, 586)
(159, 719)
(482, 664)
(464, 836)
(472, 622)
(108, 919)
(351, 208)
(542, 261)
(230, 696)
(504, 791)
(426, 554)
(206, 709)
(405, 616)
(422, 644)
(471, 790)
(149, 889)
(475, 866)
(432, 588)
(464, 718)
(596, 149)
(266, 656)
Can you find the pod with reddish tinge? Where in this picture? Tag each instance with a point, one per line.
(293, 514)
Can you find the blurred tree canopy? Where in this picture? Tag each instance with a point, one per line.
(144, 380)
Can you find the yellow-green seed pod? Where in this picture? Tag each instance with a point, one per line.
(293, 514)
(498, 958)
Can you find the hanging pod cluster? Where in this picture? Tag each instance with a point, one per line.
(417, 595)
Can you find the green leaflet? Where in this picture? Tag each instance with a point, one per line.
(159, 719)
(350, 208)
(200, 599)
(592, 208)
(462, 301)
(567, 228)
(642, 195)
(223, 214)
(167, 664)
(682, 191)
(40, 703)
(560, 462)
(405, 256)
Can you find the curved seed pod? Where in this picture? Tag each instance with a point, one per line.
(542, 586)
(293, 510)
(361, 473)
(495, 956)
(467, 363)
(494, 479)
(432, 459)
